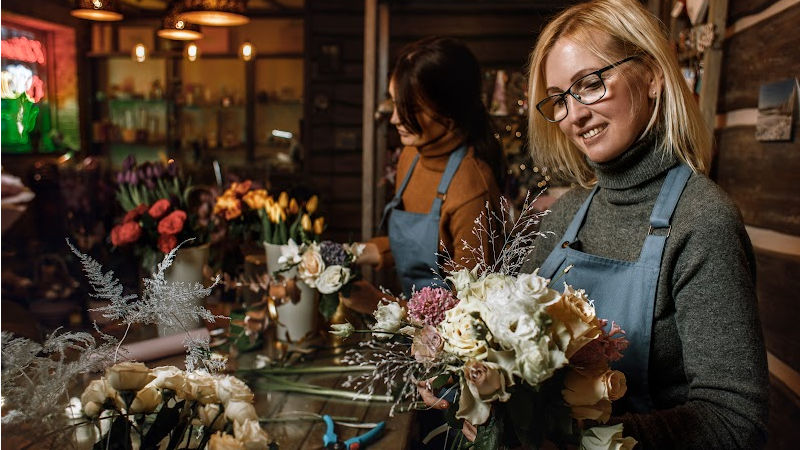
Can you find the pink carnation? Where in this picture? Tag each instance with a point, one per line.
(428, 305)
(607, 348)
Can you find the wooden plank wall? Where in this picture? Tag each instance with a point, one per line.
(333, 132)
(761, 45)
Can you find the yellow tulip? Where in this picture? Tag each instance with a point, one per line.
(283, 200)
(294, 208)
(319, 225)
(305, 222)
(311, 205)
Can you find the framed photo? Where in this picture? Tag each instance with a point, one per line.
(776, 104)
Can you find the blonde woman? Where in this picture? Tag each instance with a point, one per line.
(657, 245)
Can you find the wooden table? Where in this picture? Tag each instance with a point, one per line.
(308, 434)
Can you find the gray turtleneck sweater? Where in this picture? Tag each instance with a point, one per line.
(708, 373)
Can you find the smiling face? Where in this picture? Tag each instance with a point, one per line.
(432, 130)
(605, 129)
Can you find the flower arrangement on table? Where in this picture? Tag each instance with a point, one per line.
(159, 211)
(254, 215)
(517, 359)
(327, 266)
(132, 406)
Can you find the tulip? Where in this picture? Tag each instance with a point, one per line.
(311, 205)
(305, 223)
(283, 200)
(294, 208)
(319, 225)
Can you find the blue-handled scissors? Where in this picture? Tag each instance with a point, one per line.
(331, 440)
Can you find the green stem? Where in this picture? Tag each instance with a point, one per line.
(307, 370)
(277, 384)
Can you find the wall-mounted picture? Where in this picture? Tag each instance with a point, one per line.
(775, 109)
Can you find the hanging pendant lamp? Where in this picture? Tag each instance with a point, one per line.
(219, 13)
(173, 27)
(99, 10)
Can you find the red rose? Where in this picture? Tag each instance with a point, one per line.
(166, 242)
(125, 233)
(159, 208)
(173, 223)
(134, 213)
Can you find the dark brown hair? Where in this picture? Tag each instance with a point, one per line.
(444, 76)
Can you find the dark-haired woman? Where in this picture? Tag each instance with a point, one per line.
(448, 172)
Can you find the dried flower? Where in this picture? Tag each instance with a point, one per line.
(342, 330)
(333, 253)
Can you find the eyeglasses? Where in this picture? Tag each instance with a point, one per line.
(587, 90)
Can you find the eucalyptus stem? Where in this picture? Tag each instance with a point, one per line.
(278, 384)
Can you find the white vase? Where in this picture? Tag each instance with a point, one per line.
(295, 320)
(186, 267)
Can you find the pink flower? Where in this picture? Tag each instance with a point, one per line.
(607, 348)
(428, 305)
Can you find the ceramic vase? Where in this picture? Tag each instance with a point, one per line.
(295, 320)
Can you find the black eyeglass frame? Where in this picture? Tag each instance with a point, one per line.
(569, 92)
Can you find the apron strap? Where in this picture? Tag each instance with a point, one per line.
(449, 171)
(398, 196)
(572, 230)
(660, 218)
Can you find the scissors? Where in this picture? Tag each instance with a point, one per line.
(330, 441)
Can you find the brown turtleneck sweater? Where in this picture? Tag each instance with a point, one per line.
(472, 186)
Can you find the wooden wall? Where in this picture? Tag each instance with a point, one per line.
(762, 46)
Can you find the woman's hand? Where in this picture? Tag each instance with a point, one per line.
(370, 256)
(470, 431)
(431, 400)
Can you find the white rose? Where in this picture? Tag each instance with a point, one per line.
(461, 333)
(233, 389)
(311, 265)
(210, 416)
(168, 377)
(240, 411)
(512, 327)
(461, 281)
(250, 433)
(332, 279)
(200, 386)
(536, 360)
(128, 376)
(389, 318)
(147, 399)
(221, 441)
(355, 249)
(85, 435)
(606, 438)
(531, 288)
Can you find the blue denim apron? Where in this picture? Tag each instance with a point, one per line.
(623, 291)
(414, 237)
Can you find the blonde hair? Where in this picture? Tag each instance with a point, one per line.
(632, 30)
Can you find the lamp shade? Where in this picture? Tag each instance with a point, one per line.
(99, 10)
(218, 13)
(173, 27)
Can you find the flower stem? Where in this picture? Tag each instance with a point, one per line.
(307, 370)
(279, 384)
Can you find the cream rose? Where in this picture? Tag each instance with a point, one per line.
(168, 377)
(536, 361)
(222, 441)
(250, 433)
(575, 323)
(95, 395)
(600, 411)
(389, 318)
(233, 389)
(531, 288)
(462, 334)
(606, 438)
(147, 399)
(200, 386)
(128, 376)
(311, 265)
(211, 415)
(580, 389)
(332, 279)
(482, 383)
(236, 411)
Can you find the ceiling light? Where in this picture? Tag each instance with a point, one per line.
(247, 51)
(219, 13)
(100, 10)
(173, 27)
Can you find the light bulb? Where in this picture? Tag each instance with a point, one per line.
(192, 52)
(139, 52)
(247, 51)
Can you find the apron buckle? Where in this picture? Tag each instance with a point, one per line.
(650, 230)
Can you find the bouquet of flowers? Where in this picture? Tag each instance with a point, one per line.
(327, 266)
(526, 363)
(161, 210)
